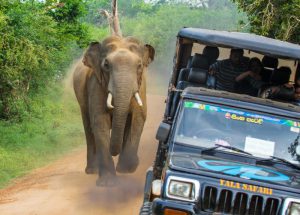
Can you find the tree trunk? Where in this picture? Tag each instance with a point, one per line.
(113, 19)
(116, 24)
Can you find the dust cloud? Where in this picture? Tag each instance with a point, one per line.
(68, 80)
(160, 70)
(129, 190)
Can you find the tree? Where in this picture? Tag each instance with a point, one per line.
(37, 40)
(113, 19)
(126, 9)
(161, 27)
(273, 18)
(67, 14)
(191, 3)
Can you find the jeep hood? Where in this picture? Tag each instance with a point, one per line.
(201, 164)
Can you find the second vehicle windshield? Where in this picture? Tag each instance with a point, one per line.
(262, 135)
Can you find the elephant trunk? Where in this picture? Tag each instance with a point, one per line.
(122, 95)
(117, 133)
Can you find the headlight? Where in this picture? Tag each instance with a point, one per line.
(182, 188)
(294, 209)
(291, 206)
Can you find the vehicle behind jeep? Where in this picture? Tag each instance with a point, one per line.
(222, 152)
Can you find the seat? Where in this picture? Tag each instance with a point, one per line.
(189, 63)
(198, 61)
(269, 64)
(197, 78)
(183, 75)
(281, 76)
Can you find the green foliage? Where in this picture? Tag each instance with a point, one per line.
(220, 4)
(50, 129)
(67, 14)
(212, 4)
(277, 19)
(125, 9)
(37, 41)
(135, 7)
(93, 15)
(97, 34)
(161, 27)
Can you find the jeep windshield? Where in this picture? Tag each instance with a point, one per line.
(262, 135)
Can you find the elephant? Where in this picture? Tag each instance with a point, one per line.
(110, 87)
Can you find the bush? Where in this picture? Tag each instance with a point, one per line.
(34, 48)
(50, 128)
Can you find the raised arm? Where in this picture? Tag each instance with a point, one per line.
(243, 75)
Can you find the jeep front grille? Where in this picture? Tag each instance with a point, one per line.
(238, 203)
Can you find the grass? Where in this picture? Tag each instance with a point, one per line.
(52, 128)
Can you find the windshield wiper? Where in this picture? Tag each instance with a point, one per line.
(226, 147)
(272, 158)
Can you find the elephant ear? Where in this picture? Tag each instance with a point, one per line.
(92, 55)
(149, 53)
(92, 59)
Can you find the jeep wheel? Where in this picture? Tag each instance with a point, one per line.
(146, 209)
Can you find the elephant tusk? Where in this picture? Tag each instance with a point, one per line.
(138, 99)
(108, 102)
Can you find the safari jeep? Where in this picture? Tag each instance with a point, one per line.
(222, 152)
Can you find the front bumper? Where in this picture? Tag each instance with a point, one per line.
(159, 205)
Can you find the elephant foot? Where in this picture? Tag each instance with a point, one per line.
(91, 170)
(115, 150)
(127, 166)
(107, 181)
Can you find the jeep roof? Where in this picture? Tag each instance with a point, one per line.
(252, 42)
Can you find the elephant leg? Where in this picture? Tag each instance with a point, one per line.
(91, 166)
(107, 173)
(128, 159)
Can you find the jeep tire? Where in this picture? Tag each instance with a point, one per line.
(146, 209)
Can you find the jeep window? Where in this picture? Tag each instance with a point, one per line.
(205, 125)
(224, 53)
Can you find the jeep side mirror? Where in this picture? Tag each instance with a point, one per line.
(163, 131)
(298, 150)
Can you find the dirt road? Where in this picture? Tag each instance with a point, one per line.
(64, 188)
